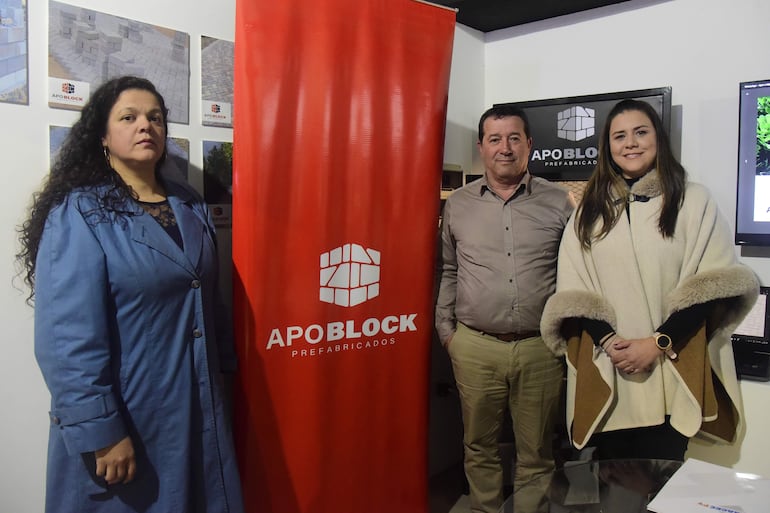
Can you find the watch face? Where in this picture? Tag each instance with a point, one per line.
(663, 342)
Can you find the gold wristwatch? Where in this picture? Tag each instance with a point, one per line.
(665, 344)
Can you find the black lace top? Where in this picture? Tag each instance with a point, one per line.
(161, 211)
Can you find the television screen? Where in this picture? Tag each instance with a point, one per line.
(752, 213)
(565, 131)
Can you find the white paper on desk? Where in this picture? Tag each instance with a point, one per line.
(700, 487)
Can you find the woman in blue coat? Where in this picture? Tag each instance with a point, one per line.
(129, 334)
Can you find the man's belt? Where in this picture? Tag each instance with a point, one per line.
(509, 337)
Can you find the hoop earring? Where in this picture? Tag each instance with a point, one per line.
(107, 156)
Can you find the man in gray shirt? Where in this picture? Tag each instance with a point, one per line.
(500, 238)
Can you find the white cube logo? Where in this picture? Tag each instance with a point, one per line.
(350, 275)
(576, 123)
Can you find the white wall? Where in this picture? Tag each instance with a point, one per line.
(466, 98)
(703, 49)
(24, 399)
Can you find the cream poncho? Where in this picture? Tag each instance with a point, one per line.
(634, 279)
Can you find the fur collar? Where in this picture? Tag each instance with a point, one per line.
(643, 189)
(648, 185)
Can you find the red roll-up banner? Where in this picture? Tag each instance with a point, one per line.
(338, 148)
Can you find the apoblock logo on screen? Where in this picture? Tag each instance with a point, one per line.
(349, 276)
(576, 124)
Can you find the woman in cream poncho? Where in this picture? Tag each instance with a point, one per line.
(648, 291)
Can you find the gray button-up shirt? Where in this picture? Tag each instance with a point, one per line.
(499, 257)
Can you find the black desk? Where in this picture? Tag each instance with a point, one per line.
(609, 486)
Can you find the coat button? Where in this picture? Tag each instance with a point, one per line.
(196, 284)
(197, 333)
(55, 420)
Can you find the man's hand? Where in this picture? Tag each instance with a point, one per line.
(116, 463)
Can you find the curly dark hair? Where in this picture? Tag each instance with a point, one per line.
(597, 198)
(82, 163)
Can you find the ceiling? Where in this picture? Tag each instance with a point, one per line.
(489, 15)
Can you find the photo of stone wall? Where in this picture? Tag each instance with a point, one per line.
(90, 46)
(13, 52)
(217, 59)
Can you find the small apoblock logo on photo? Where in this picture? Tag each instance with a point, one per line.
(67, 88)
(350, 275)
(576, 123)
(215, 108)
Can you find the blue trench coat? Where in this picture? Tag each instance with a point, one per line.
(126, 337)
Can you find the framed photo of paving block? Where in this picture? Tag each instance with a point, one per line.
(87, 47)
(217, 82)
(14, 75)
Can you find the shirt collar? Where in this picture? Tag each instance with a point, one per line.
(525, 183)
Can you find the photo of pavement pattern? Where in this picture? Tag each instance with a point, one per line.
(13, 52)
(90, 46)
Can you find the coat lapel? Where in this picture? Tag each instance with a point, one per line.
(192, 227)
(146, 230)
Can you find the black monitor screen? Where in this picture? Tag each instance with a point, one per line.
(565, 131)
(752, 214)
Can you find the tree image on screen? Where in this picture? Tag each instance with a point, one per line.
(763, 135)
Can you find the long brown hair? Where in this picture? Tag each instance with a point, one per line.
(606, 194)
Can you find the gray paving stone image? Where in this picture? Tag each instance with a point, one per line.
(217, 69)
(91, 46)
(217, 58)
(13, 51)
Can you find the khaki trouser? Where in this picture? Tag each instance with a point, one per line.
(527, 378)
